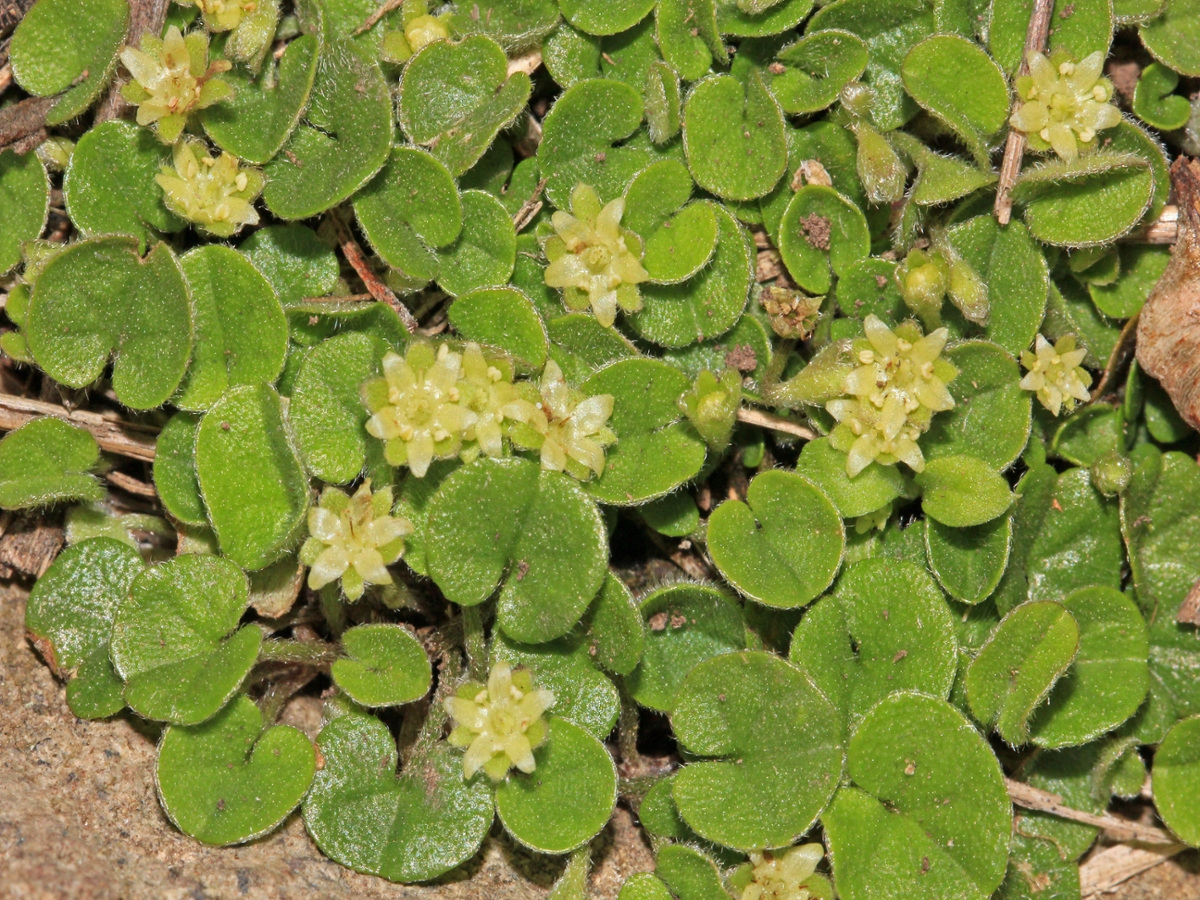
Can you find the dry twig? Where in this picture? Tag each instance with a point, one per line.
(775, 423)
(113, 435)
(374, 17)
(1014, 149)
(1030, 797)
(530, 208)
(375, 286)
(1108, 868)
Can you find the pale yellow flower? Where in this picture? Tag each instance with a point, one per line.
(488, 391)
(222, 15)
(353, 539)
(593, 259)
(499, 724)
(215, 193)
(569, 429)
(782, 876)
(1065, 103)
(1055, 373)
(171, 79)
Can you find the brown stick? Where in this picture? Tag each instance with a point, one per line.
(114, 436)
(530, 207)
(132, 485)
(347, 298)
(377, 15)
(1030, 797)
(1163, 230)
(1014, 149)
(22, 121)
(775, 423)
(376, 288)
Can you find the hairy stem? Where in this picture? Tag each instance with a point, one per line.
(474, 644)
(312, 653)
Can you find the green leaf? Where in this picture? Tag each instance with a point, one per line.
(1014, 269)
(779, 745)
(344, 140)
(760, 18)
(816, 68)
(384, 666)
(326, 411)
(503, 318)
(567, 799)
(889, 29)
(1141, 267)
(25, 194)
(110, 187)
(68, 47)
(614, 627)
(674, 515)
(821, 230)
(514, 24)
(241, 334)
(958, 83)
(96, 691)
(294, 260)
(410, 208)
(664, 103)
(654, 453)
(685, 625)
(1068, 774)
(689, 874)
(1174, 687)
(251, 479)
(644, 886)
(582, 346)
(1036, 871)
(688, 36)
(1088, 434)
(484, 252)
(1109, 678)
(991, 417)
(230, 780)
(507, 524)
(869, 490)
(1080, 28)
(747, 337)
(571, 56)
(1086, 209)
(783, 546)
(678, 239)
(70, 612)
(961, 491)
(1065, 537)
(734, 137)
(1015, 670)
(97, 299)
(885, 627)
(365, 817)
(459, 125)
(262, 114)
(605, 16)
(929, 817)
(583, 695)
(175, 469)
(176, 640)
(709, 303)
(1154, 100)
(1177, 779)
(969, 562)
(578, 136)
(48, 461)
(1169, 37)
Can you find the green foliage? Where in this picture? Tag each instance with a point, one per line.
(25, 188)
(47, 461)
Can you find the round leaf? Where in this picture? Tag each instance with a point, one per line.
(1171, 36)
(885, 627)
(484, 252)
(866, 492)
(505, 523)
(605, 16)
(678, 239)
(503, 318)
(929, 817)
(294, 260)
(251, 479)
(365, 817)
(228, 780)
(25, 196)
(1021, 661)
(969, 562)
(733, 137)
(783, 546)
(779, 743)
(1177, 779)
(97, 299)
(384, 666)
(616, 635)
(1109, 678)
(685, 625)
(821, 230)
(47, 461)
(176, 640)
(1153, 100)
(567, 799)
(1086, 209)
(816, 68)
(961, 491)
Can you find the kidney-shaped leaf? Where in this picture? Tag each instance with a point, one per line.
(504, 318)
(229, 780)
(251, 479)
(176, 640)
(1085, 204)
(929, 817)
(485, 251)
(567, 799)
(961, 491)
(364, 816)
(816, 68)
(455, 97)
(48, 461)
(969, 562)
(781, 547)
(1021, 661)
(780, 749)
(505, 523)
(605, 16)
(384, 666)
(1177, 779)
(678, 240)
(885, 627)
(654, 453)
(821, 231)
(344, 140)
(97, 299)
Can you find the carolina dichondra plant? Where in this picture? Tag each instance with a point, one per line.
(402, 368)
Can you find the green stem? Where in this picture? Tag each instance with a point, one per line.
(278, 693)
(474, 643)
(312, 653)
(333, 608)
(627, 727)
